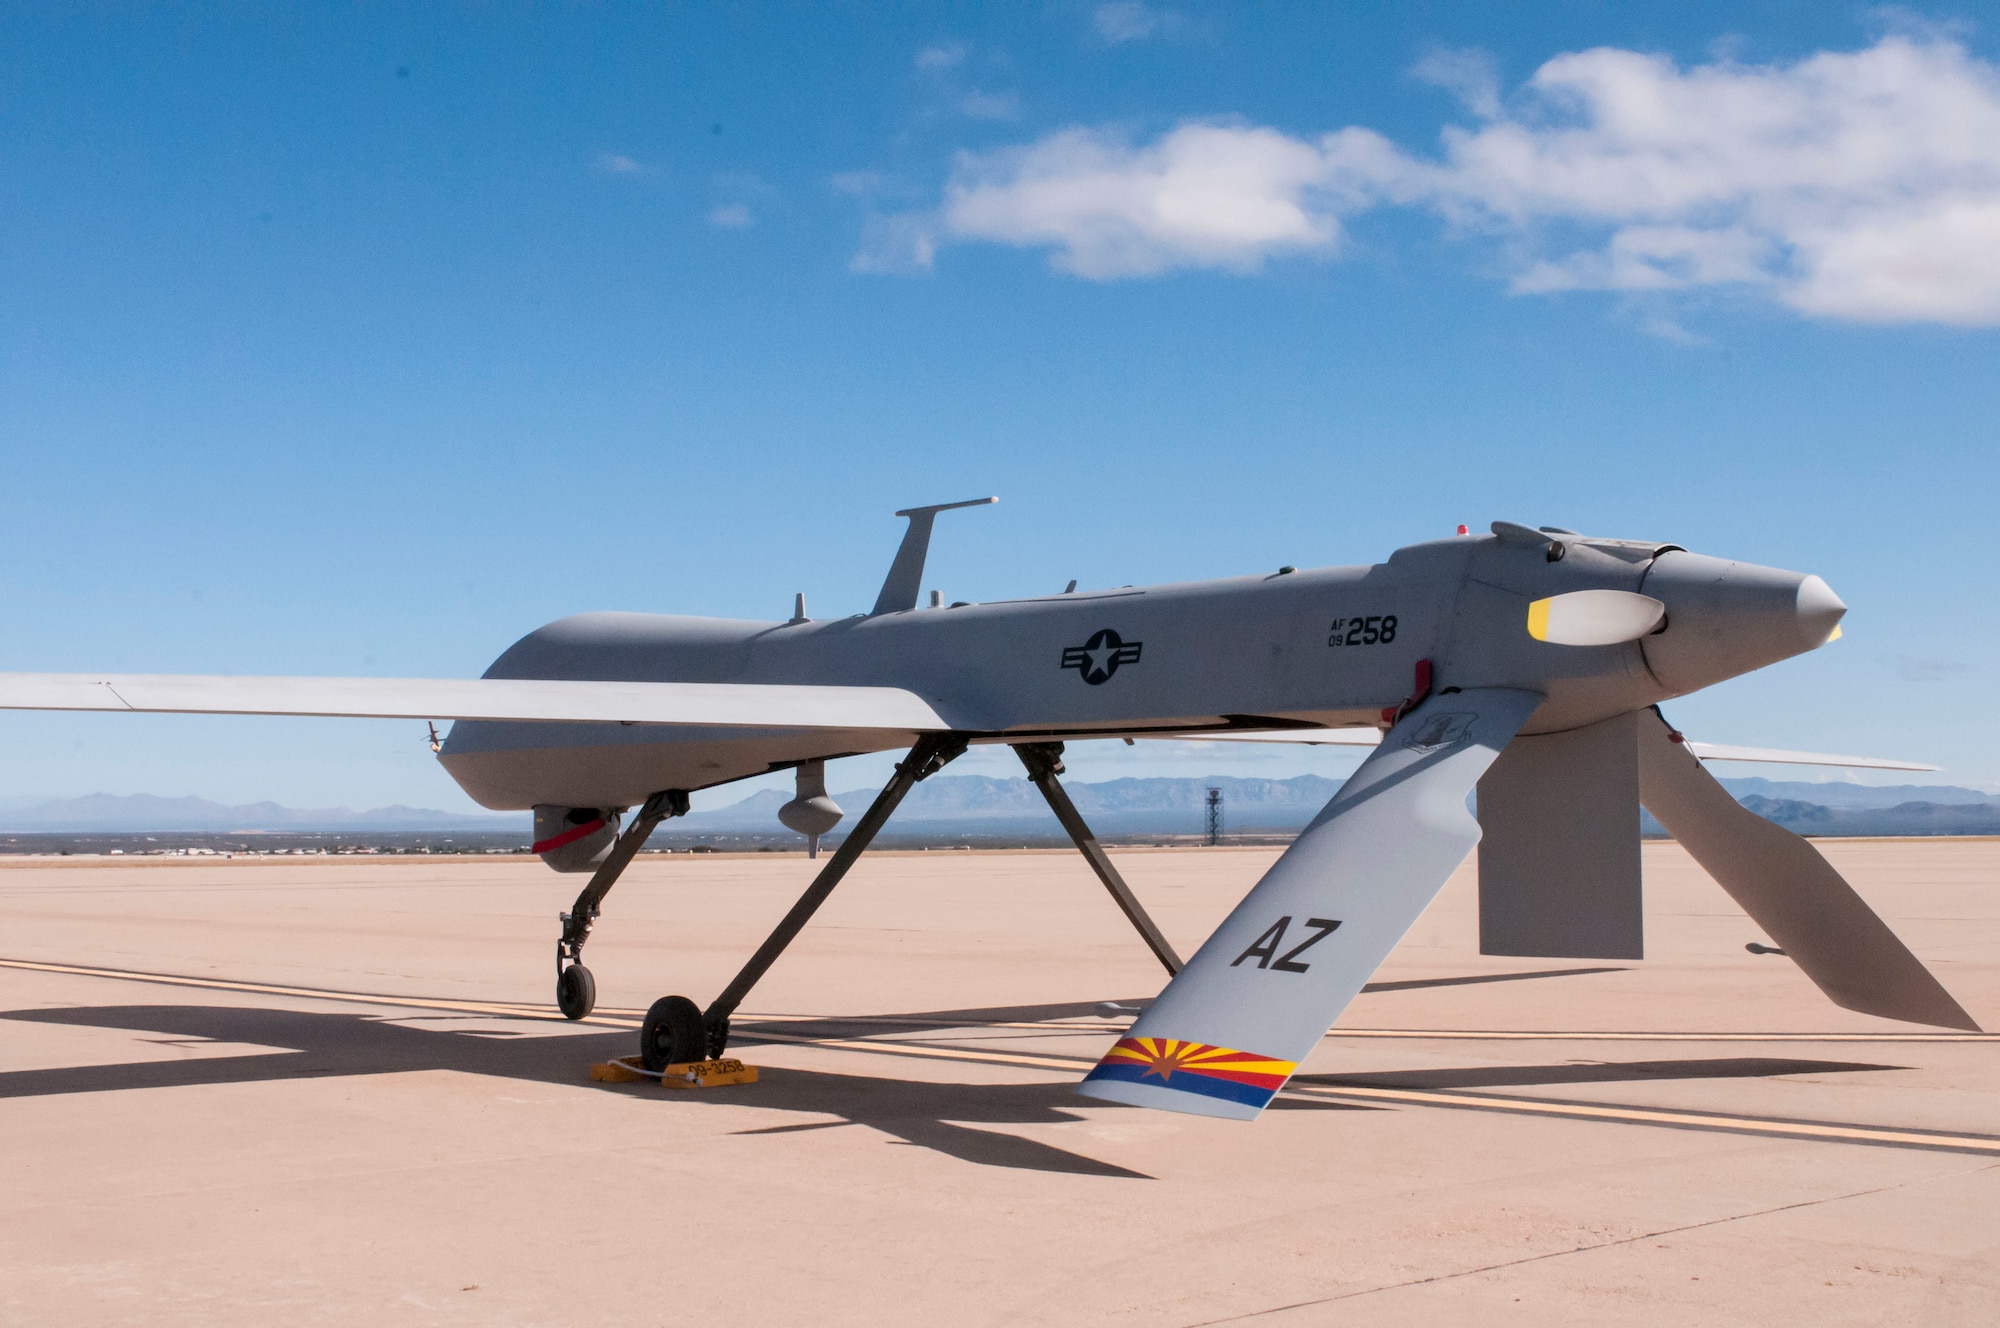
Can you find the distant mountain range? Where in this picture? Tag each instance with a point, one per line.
(106, 813)
(1832, 794)
(1116, 807)
(979, 804)
(1908, 818)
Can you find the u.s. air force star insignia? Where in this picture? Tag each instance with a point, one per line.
(1440, 731)
(1099, 657)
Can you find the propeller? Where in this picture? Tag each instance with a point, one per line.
(1594, 618)
(1788, 889)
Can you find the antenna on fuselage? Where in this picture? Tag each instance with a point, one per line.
(906, 574)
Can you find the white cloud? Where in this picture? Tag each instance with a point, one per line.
(1859, 185)
(732, 216)
(1205, 195)
(939, 63)
(1918, 264)
(1655, 258)
(614, 163)
(898, 244)
(1471, 76)
(991, 105)
(1666, 329)
(1128, 20)
(858, 183)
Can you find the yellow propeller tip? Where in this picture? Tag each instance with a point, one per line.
(1834, 637)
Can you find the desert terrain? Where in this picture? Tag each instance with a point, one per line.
(335, 1091)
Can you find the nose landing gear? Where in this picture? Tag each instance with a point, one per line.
(576, 990)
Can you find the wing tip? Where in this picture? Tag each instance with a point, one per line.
(1165, 1098)
(1941, 1010)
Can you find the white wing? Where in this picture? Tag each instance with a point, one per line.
(1301, 737)
(1715, 751)
(748, 705)
(1707, 751)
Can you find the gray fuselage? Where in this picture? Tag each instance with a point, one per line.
(1332, 646)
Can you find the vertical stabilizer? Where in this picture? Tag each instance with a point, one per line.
(906, 574)
(1559, 861)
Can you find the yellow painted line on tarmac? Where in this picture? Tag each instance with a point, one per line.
(1406, 1034)
(1814, 1130)
(1557, 1035)
(1701, 1120)
(1827, 1132)
(509, 1009)
(615, 1017)
(926, 1051)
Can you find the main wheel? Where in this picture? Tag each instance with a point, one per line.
(672, 1033)
(576, 992)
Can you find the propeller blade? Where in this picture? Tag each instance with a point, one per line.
(1594, 618)
(1789, 890)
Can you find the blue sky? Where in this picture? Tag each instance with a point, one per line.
(343, 341)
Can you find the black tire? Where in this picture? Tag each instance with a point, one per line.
(672, 1033)
(576, 992)
(718, 1039)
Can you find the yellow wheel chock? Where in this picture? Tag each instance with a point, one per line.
(681, 1074)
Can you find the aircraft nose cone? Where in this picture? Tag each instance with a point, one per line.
(1726, 618)
(1819, 610)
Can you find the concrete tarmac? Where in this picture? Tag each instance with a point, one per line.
(333, 1092)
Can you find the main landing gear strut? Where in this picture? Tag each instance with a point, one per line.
(1044, 763)
(677, 1030)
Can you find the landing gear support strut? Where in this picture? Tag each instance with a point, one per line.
(670, 1031)
(1044, 763)
(576, 990)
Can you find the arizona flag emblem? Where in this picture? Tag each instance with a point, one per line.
(1241, 1077)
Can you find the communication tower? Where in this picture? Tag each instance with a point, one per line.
(1215, 816)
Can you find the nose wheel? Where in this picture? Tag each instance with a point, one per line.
(576, 992)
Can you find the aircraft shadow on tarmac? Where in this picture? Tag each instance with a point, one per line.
(835, 1026)
(927, 1115)
(1608, 1072)
(943, 1117)
(1476, 979)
